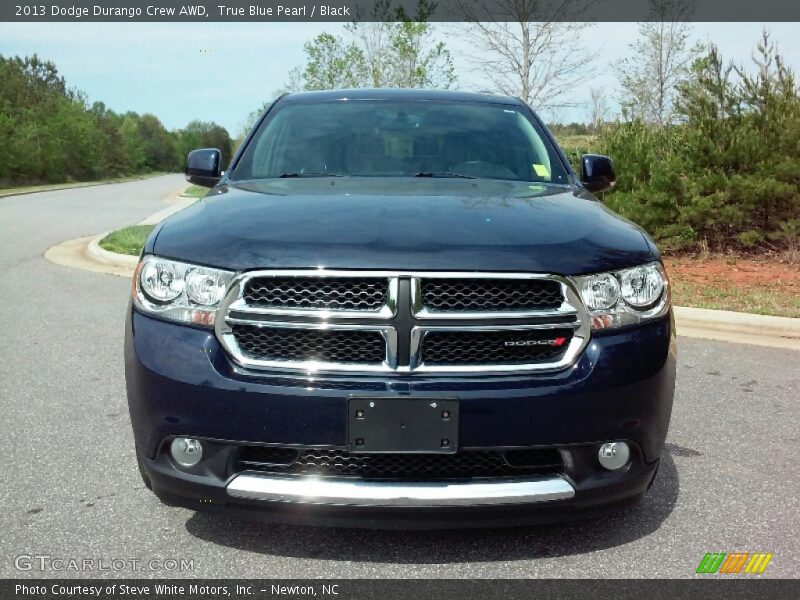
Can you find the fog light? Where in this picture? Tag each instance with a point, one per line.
(187, 452)
(614, 455)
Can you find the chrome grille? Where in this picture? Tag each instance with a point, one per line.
(494, 347)
(341, 463)
(490, 295)
(317, 293)
(298, 345)
(396, 322)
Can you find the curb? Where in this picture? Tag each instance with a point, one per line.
(80, 185)
(85, 253)
(95, 252)
(742, 328)
(735, 321)
(73, 254)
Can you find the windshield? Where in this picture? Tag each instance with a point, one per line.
(366, 138)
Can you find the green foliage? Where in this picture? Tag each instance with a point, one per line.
(195, 191)
(51, 134)
(332, 63)
(129, 240)
(391, 49)
(202, 134)
(727, 174)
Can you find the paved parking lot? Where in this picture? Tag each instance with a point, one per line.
(729, 479)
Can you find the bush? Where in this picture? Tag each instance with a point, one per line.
(50, 134)
(728, 174)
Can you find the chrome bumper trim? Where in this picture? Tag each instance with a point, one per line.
(315, 490)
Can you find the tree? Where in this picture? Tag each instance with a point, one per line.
(202, 134)
(134, 146)
(114, 158)
(398, 49)
(294, 83)
(47, 132)
(416, 64)
(331, 63)
(599, 107)
(661, 61)
(51, 133)
(392, 49)
(728, 175)
(527, 48)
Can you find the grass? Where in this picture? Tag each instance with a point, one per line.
(30, 189)
(195, 191)
(761, 301)
(765, 283)
(129, 240)
(580, 143)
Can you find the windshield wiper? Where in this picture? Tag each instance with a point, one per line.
(442, 174)
(308, 174)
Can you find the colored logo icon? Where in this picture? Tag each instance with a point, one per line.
(734, 562)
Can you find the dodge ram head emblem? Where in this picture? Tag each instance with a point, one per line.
(559, 341)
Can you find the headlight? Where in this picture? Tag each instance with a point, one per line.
(179, 291)
(161, 281)
(642, 286)
(206, 287)
(625, 297)
(600, 291)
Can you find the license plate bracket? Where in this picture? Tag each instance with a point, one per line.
(410, 425)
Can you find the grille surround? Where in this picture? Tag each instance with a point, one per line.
(402, 322)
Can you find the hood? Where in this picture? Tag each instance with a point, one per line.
(402, 224)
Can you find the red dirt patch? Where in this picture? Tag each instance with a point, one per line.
(735, 272)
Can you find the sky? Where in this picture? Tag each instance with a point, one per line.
(221, 72)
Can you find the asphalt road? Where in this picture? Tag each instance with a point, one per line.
(729, 480)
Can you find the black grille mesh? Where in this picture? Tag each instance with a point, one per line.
(494, 347)
(340, 463)
(320, 293)
(286, 344)
(490, 295)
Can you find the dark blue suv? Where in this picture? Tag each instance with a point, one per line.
(399, 308)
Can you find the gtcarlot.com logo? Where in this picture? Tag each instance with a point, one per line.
(44, 562)
(728, 563)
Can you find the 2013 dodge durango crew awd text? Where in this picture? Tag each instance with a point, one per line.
(399, 308)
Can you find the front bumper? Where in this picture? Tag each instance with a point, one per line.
(357, 492)
(181, 383)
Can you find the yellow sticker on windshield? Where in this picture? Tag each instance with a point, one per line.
(541, 170)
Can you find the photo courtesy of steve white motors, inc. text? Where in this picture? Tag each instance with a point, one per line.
(275, 10)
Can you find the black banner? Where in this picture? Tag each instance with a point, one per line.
(711, 587)
(368, 10)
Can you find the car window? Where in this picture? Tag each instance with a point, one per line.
(365, 138)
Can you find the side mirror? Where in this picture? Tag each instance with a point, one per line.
(203, 167)
(597, 173)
